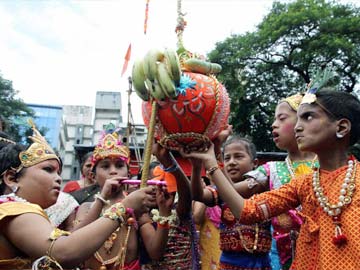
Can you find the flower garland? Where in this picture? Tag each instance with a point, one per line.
(163, 220)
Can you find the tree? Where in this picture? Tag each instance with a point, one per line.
(279, 58)
(13, 111)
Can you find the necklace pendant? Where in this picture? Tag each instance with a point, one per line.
(103, 267)
(339, 239)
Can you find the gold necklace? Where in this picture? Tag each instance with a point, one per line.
(290, 167)
(255, 240)
(346, 193)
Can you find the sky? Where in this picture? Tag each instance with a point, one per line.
(63, 52)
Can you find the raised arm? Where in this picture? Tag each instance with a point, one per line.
(224, 187)
(30, 232)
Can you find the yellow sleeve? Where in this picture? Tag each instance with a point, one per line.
(9, 209)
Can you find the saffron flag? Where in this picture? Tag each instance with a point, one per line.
(127, 58)
(146, 16)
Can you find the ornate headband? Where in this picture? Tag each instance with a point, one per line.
(322, 77)
(38, 151)
(294, 101)
(110, 146)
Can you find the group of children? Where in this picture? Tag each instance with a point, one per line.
(300, 213)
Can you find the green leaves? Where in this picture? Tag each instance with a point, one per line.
(281, 56)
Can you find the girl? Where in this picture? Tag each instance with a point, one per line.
(328, 124)
(274, 174)
(243, 246)
(30, 182)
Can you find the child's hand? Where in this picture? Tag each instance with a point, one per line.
(165, 201)
(141, 200)
(162, 154)
(207, 157)
(223, 135)
(112, 186)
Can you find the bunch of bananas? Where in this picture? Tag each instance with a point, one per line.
(157, 75)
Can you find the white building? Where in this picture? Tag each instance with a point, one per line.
(77, 128)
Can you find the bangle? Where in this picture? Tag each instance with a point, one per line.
(211, 170)
(214, 194)
(101, 199)
(165, 225)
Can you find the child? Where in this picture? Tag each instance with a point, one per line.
(110, 167)
(30, 182)
(277, 173)
(328, 124)
(177, 249)
(243, 246)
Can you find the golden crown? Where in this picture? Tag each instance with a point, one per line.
(294, 101)
(109, 146)
(38, 151)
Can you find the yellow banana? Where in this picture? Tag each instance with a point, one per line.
(201, 66)
(164, 79)
(151, 59)
(138, 79)
(173, 63)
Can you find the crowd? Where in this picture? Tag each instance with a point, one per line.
(300, 213)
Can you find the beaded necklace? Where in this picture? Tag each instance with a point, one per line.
(290, 167)
(243, 243)
(346, 193)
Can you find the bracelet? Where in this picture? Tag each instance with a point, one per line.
(173, 167)
(166, 225)
(170, 169)
(163, 220)
(116, 212)
(211, 170)
(214, 194)
(101, 198)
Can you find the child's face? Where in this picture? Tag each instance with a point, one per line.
(314, 130)
(237, 161)
(283, 127)
(108, 168)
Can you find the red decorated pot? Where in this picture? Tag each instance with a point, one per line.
(193, 119)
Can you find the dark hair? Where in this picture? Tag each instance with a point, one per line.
(6, 139)
(9, 158)
(249, 145)
(342, 105)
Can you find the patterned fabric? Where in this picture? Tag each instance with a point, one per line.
(314, 250)
(210, 239)
(286, 224)
(8, 207)
(63, 207)
(234, 236)
(178, 252)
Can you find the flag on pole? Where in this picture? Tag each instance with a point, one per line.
(127, 58)
(146, 16)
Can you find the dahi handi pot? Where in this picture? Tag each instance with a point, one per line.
(194, 117)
